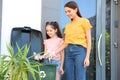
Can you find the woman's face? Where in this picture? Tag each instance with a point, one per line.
(71, 13)
(50, 31)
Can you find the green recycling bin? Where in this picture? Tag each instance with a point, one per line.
(47, 72)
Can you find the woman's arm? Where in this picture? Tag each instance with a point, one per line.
(62, 62)
(62, 47)
(88, 36)
(88, 33)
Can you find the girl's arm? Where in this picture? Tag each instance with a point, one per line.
(40, 57)
(45, 49)
(88, 36)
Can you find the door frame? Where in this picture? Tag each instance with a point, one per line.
(0, 22)
(113, 41)
(100, 40)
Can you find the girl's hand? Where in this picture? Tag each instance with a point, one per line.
(61, 71)
(37, 56)
(86, 62)
(49, 54)
(41, 57)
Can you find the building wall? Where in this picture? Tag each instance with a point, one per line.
(118, 37)
(50, 12)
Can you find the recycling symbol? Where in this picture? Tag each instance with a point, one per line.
(42, 74)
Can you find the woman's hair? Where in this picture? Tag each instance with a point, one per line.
(55, 26)
(73, 5)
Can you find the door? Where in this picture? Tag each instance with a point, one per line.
(101, 14)
(106, 40)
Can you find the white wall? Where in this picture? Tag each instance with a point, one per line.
(19, 13)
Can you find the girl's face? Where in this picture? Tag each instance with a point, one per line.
(71, 13)
(50, 31)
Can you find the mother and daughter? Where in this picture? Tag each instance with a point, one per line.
(75, 47)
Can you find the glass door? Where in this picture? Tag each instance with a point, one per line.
(108, 40)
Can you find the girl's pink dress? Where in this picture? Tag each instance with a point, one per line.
(52, 45)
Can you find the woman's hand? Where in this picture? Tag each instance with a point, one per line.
(86, 62)
(61, 71)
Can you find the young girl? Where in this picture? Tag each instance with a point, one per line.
(77, 43)
(54, 40)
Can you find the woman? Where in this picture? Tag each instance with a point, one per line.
(77, 43)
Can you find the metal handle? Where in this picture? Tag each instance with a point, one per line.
(27, 28)
(99, 42)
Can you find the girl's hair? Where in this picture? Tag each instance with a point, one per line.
(73, 5)
(54, 25)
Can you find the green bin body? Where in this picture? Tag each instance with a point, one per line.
(47, 71)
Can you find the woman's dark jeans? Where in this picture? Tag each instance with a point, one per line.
(74, 62)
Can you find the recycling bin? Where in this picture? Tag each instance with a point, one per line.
(47, 72)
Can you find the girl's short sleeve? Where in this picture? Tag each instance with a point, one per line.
(62, 41)
(45, 42)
